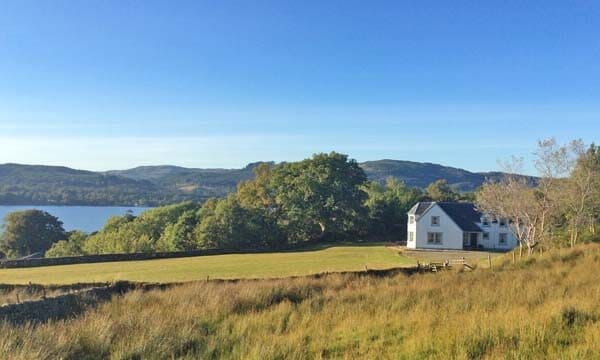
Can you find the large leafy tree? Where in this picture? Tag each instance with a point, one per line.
(30, 231)
(321, 197)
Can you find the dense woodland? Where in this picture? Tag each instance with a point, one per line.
(329, 198)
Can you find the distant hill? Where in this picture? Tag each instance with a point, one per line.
(195, 183)
(45, 185)
(420, 175)
(159, 185)
(416, 174)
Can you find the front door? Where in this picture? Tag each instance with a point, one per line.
(470, 240)
(474, 240)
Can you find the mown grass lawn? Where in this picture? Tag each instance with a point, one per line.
(274, 265)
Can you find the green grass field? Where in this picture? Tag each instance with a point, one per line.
(275, 265)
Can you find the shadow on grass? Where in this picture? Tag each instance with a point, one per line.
(71, 305)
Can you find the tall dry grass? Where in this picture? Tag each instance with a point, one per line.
(14, 294)
(544, 307)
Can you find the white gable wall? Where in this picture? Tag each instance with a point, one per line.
(452, 237)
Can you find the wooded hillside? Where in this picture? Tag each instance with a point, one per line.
(162, 185)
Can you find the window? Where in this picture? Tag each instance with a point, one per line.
(411, 236)
(503, 238)
(486, 236)
(435, 221)
(502, 222)
(485, 221)
(411, 219)
(434, 238)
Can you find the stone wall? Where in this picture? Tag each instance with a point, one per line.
(7, 264)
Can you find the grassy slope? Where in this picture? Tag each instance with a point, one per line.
(542, 308)
(342, 258)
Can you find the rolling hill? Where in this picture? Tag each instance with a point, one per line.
(194, 183)
(159, 185)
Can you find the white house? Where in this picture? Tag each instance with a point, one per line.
(457, 226)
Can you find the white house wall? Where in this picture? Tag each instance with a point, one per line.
(494, 229)
(452, 238)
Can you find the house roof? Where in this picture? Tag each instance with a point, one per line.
(420, 208)
(465, 215)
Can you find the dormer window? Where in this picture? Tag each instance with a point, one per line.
(485, 221)
(435, 221)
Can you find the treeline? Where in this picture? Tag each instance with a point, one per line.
(323, 199)
(117, 196)
(563, 209)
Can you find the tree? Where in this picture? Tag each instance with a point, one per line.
(180, 236)
(259, 192)
(226, 224)
(440, 190)
(321, 197)
(73, 246)
(514, 200)
(149, 232)
(581, 192)
(553, 164)
(387, 206)
(311, 200)
(30, 231)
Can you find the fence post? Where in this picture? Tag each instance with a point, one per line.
(490, 260)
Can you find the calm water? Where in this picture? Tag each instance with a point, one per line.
(86, 218)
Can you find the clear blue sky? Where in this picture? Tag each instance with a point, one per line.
(115, 84)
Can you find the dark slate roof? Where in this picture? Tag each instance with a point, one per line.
(465, 215)
(420, 208)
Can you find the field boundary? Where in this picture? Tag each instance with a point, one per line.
(102, 258)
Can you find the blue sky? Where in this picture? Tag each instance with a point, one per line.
(115, 84)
